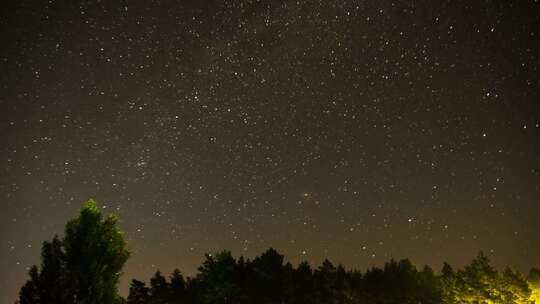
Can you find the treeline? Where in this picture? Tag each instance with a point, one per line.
(85, 265)
(268, 280)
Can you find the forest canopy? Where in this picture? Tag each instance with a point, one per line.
(85, 266)
(268, 279)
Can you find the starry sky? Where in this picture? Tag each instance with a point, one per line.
(353, 130)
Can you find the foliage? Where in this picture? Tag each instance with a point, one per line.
(217, 276)
(534, 284)
(480, 283)
(138, 293)
(83, 267)
(268, 280)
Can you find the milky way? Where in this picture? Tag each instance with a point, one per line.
(353, 130)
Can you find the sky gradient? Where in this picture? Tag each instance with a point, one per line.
(354, 130)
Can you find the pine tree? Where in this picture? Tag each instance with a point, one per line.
(177, 286)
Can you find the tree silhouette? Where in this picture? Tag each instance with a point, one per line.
(177, 287)
(267, 280)
(267, 277)
(448, 284)
(50, 284)
(31, 291)
(138, 293)
(217, 279)
(83, 267)
(324, 278)
(159, 289)
(303, 288)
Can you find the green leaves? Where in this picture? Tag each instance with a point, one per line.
(479, 282)
(83, 267)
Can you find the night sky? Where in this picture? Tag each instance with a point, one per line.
(353, 130)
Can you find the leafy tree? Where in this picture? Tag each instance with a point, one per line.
(448, 284)
(30, 292)
(401, 278)
(83, 267)
(159, 289)
(193, 291)
(480, 283)
(267, 277)
(216, 277)
(50, 284)
(476, 283)
(138, 293)
(95, 254)
(428, 286)
(534, 283)
(373, 285)
(266, 280)
(325, 279)
(513, 288)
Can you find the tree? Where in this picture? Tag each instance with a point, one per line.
(48, 285)
(30, 292)
(325, 279)
(534, 276)
(53, 271)
(217, 278)
(83, 267)
(266, 280)
(177, 286)
(429, 286)
(159, 289)
(267, 277)
(476, 283)
(534, 284)
(513, 288)
(138, 293)
(448, 284)
(303, 283)
(95, 254)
